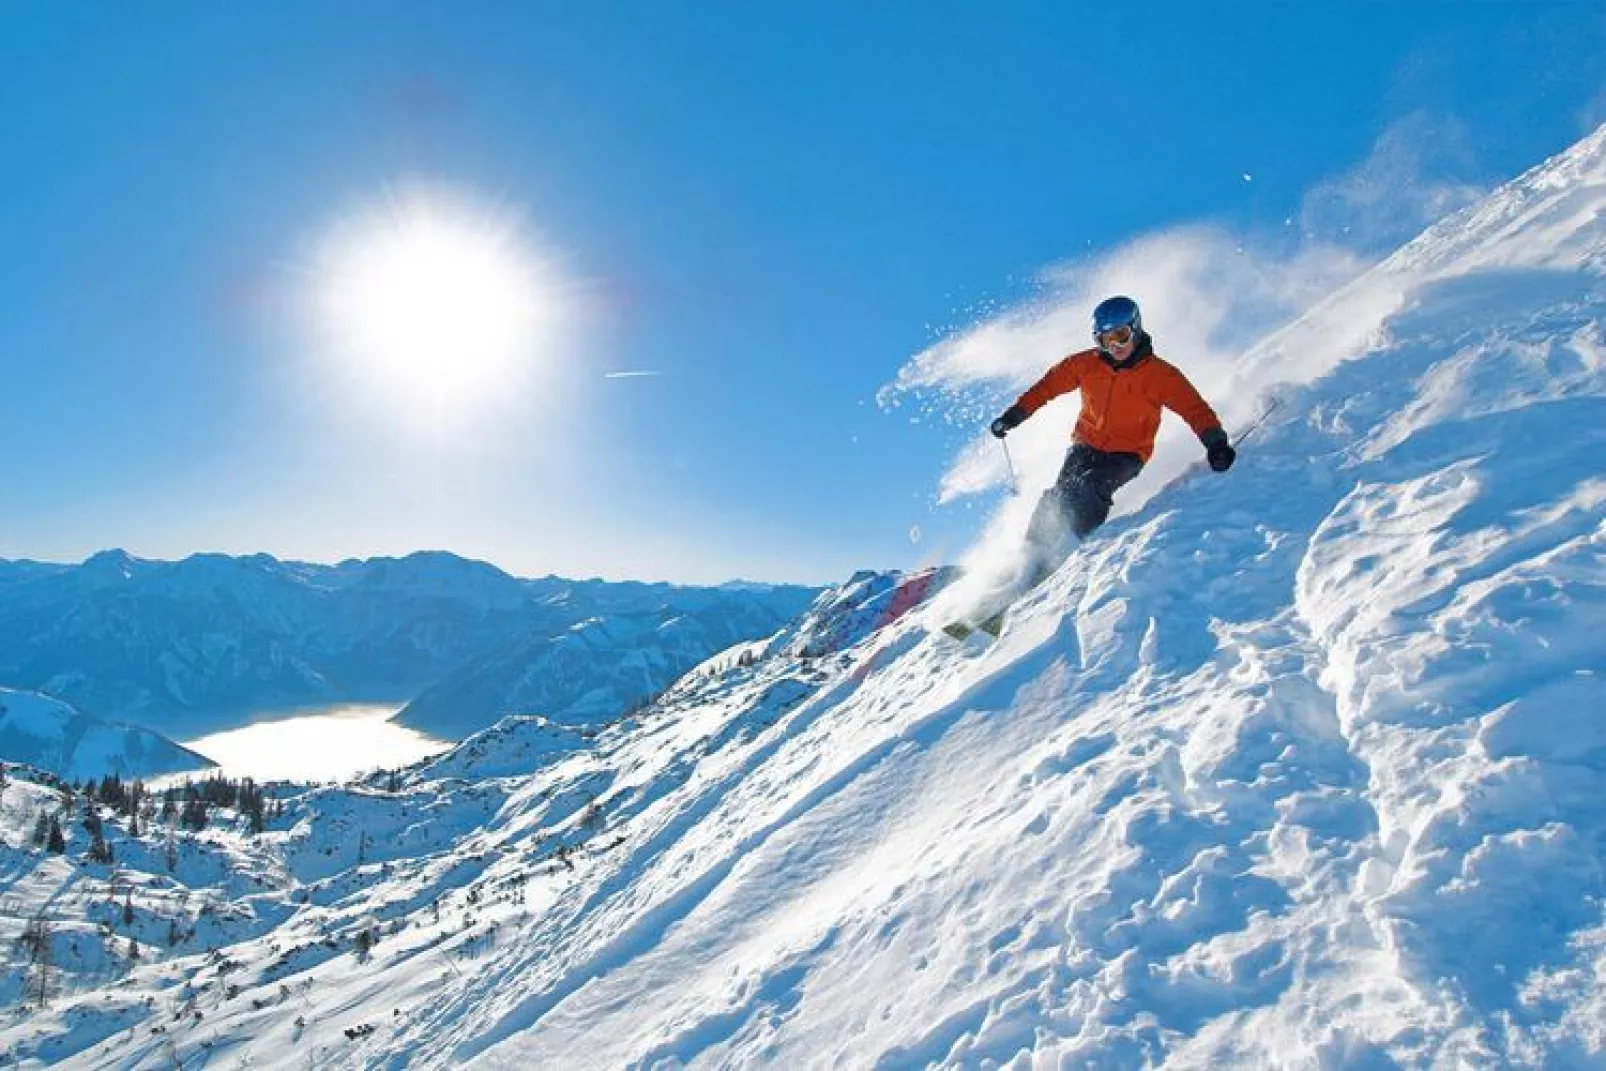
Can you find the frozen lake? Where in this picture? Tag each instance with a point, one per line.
(329, 745)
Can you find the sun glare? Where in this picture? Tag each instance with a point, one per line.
(434, 305)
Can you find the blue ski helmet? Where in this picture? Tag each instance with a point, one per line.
(1116, 312)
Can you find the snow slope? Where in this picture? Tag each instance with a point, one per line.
(52, 736)
(1300, 766)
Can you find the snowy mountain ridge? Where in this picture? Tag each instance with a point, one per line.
(51, 735)
(595, 668)
(1295, 767)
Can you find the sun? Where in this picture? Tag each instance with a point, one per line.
(434, 305)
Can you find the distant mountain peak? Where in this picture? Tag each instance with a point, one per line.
(111, 564)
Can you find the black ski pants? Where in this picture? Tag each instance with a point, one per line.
(1080, 499)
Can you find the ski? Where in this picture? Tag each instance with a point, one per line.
(988, 619)
(993, 612)
(992, 625)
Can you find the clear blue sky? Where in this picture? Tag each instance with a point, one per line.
(772, 206)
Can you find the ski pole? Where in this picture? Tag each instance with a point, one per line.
(1250, 430)
(1014, 485)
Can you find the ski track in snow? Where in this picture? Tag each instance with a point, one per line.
(1300, 766)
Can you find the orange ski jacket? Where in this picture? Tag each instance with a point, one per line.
(1121, 406)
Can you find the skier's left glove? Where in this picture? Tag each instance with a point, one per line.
(1218, 451)
(1012, 418)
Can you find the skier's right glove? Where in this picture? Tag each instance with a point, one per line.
(1218, 451)
(1008, 422)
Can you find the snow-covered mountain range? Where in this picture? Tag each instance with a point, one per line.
(189, 647)
(1296, 767)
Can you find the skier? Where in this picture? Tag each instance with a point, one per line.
(1124, 384)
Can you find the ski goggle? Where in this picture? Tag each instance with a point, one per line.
(1116, 336)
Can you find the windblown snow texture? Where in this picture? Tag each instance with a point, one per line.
(1296, 767)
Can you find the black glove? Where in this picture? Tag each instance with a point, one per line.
(1008, 422)
(1218, 451)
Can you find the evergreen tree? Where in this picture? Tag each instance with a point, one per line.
(55, 841)
(37, 940)
(99, 850)
(194, 814)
